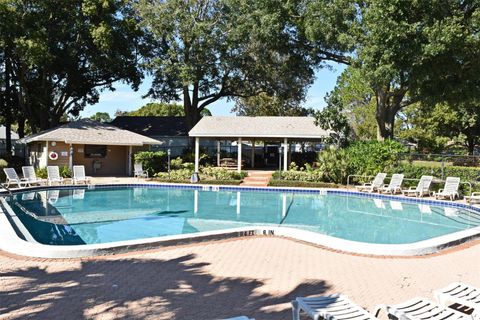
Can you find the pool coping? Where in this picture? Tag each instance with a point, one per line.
(11, 242)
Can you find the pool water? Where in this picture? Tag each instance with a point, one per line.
(101, 215)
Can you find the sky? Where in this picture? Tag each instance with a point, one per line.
(125, 99)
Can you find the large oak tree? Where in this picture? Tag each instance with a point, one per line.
(63, 53)
(212, 49)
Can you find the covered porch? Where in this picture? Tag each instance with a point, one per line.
(280, 132)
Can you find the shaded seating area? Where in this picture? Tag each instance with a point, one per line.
(282, 130)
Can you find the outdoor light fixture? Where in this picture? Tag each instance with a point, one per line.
(169, 152)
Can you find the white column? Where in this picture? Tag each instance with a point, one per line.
(197, 154)
(285, 154)
(239, 157)
(129, 161)
(253, 154)
(70, 155)
(218, 153)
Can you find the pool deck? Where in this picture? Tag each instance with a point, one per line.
(253, 276)
(256, 276)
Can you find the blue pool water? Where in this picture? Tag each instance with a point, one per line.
(79, 216)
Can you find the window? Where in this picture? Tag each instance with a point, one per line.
(95, 151)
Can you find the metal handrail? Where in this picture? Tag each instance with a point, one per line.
(6, 188)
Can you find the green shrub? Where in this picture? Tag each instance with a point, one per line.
(65, 172)
(3, 164)
(151, 161)
(302, 184)
(178, 163)
(333, 163)
(371, 157)
(215, 173)
(306, 176)
(175, 175)
(206, 174)
(41, 173)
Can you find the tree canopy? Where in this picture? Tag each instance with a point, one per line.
(265, 105)
(61, 54)
(212, 49)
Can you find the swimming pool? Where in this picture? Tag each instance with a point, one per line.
(118, 214)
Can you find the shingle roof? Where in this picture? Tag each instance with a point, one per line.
(3, 135)
(87, 131)
(258, 127)
(153, 126)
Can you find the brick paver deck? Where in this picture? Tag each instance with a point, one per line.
(255, 276)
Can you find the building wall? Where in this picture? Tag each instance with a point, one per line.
(37, 155)
(114, 163)
(63, 150)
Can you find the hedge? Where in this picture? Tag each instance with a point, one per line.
(294, 175)
(302, 184)
(215, 182)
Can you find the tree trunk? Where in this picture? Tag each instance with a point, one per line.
(192, 114)
(470, 145)
(8, 108)
(385, 115)
(21, 126)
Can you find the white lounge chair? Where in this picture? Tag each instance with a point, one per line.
(394, 186)
(422, 188)
(450, 190)
(474, 197)
(31, 176)
(420, 308)
(13, 178)
(54, 175)
(460, 293)
(335, 306)
(376, 183)
(79, 175)
(138, 171)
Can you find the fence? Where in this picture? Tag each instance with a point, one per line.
(442, 159)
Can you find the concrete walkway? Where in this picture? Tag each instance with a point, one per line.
(254, 276)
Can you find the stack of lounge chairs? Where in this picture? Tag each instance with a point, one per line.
(449, 191)
(338, 306)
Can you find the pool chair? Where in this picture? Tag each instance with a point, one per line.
(394, 186)
(450, 190)
(54, 175)
(376, 183)
(460, 293)
(420, 308)
(474, 197)
(422, 188)
(31, 176)
(13, 178)
(79, 175)
(138, 171)
(335, 306)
